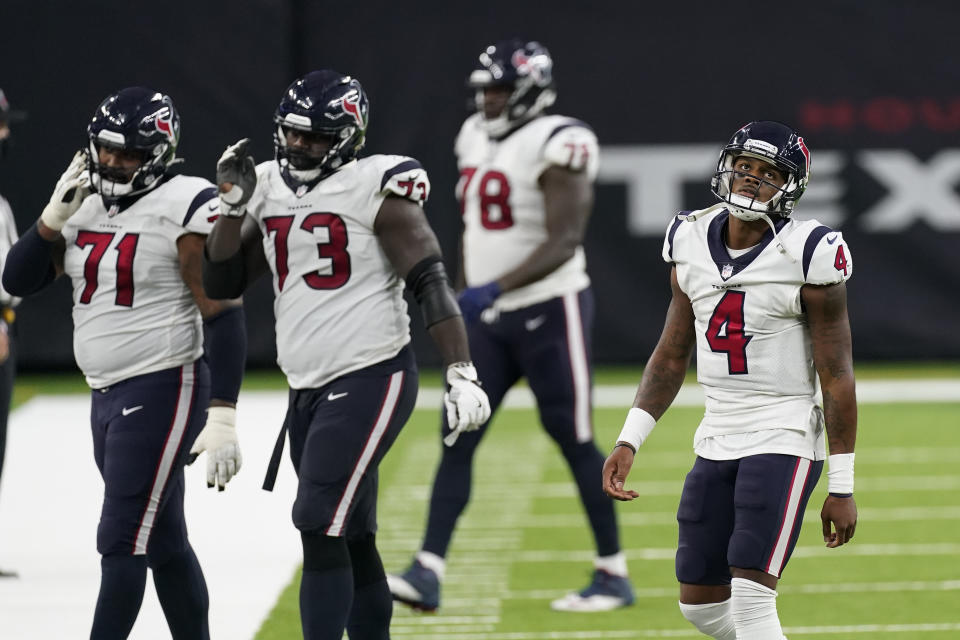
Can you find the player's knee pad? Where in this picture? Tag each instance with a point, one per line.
(367, 566)
(753, 608)
(322, 553)
(690, 565)
(712, 619)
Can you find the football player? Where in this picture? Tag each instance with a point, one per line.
(8, 235)
(762, 298)
(164, 362)
(341, 235)
(526, 192)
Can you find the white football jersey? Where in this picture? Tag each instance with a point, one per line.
(8, 236)
(502, 204)
(338, 301)
(132, 312)
(754, 353)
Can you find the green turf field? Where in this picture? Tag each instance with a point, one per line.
(523, 540)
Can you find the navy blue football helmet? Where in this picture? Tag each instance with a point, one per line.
(327, 103)
(526, 67)
(138, 120)
(772, 142)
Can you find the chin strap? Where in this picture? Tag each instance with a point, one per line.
(699, 213)
(776, 238)
(693, 215)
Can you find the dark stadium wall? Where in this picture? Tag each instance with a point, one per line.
(873, 87)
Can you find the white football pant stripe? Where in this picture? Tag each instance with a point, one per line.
(790, 517)
(579, 368)
(387, 407)
(178, 426)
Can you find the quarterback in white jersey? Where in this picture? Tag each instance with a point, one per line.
(341, 235)
(130, 236)
(526, 194)
(762, 298)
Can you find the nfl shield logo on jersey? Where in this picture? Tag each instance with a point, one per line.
(726, 271)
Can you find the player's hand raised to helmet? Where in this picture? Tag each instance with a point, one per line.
(236, 179)
(72, 187)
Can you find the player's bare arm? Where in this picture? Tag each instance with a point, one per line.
(407, 239)
(826, 308)
(568, 200)
(662, 377)
(665, 371)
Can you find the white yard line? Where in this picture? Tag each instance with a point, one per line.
(691, 395)
(933, 627)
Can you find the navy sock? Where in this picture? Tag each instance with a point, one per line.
(371, 612)
(586, 464)
(182, 592)
(122, 581)
(372, 603)
(325, 601)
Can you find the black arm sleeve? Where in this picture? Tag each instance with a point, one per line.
(224, 280)
(29, 265)
(225, 346)
(428, 282)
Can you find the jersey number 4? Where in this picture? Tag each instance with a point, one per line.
(494, 194)
(725, 331)
(333, 251)
(126, 248)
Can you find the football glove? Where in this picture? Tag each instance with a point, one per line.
(237, 168)
(473, 300)
(219, 440)
(466, 403)
(72, 187)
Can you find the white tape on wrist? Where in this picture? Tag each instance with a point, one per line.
(636, 427)
(840, 473)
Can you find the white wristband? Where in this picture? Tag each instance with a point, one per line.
(840, 474)
(636, 427)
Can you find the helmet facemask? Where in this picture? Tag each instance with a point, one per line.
(113, 182)
(322, 104)
(749, 208)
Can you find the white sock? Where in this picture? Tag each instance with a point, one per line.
(433, 562)
(712, 619)
(754, 611)
(615, 564)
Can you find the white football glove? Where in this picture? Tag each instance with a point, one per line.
(237, 168)
(467, 404)
(72, 187)
(219, 440)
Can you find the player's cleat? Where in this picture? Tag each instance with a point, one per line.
(417, 587)
(604, 593)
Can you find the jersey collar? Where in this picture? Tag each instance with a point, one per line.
(727, 266)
